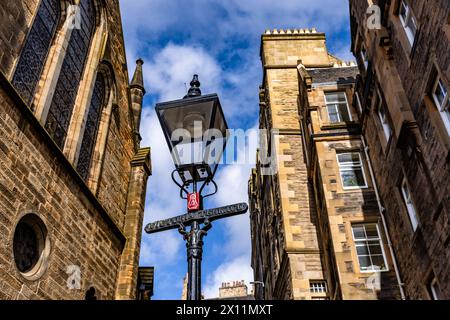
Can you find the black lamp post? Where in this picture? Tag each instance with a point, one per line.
(196, 133)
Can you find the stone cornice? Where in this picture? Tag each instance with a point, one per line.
(288, 132)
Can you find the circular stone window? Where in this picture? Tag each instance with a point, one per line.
(31, 247)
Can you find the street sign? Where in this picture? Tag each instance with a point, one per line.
(199, 216)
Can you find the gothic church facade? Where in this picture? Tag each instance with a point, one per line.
(73, 175)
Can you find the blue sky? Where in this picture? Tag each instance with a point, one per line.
(220, 41)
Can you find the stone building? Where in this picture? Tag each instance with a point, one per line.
(236, 290)
(317, 227)
(72, 173)
(404, 109)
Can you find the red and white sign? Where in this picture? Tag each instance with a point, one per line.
(193, 201)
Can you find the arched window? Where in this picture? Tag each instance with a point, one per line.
(72, 69)
(35, 51)
(92, 125)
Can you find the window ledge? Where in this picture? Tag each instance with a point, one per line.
(373, 271)
(339, 125)
(354, 188)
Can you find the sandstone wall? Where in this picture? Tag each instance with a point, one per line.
(16, 18)
(419, 148)
(34, 178)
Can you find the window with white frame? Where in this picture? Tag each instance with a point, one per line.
(351, 170)
(442, 101)
(435, 290)
(408, 21)
(406, 193)
(318, 286)
(381, 111)
(369, 248)
(337, 106)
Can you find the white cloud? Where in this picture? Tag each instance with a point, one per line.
(236, 269)
(217, 21)
(233, 181)
(160, 182)
(218, 40)
(170, 71)
(162, 248)
(223, 34)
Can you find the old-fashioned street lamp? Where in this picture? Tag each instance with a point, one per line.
(196, 133)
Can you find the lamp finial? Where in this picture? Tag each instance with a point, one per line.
(194, 90)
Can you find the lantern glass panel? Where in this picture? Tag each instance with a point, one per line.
(196, 131)
(189, 121)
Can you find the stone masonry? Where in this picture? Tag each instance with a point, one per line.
(288, 217)
(301, 216)
(401, 70)
(93, 225)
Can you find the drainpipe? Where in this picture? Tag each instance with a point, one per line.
(336, 290)
(381, 209)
